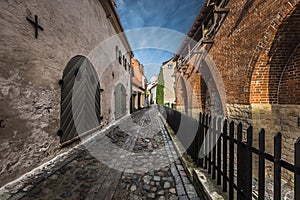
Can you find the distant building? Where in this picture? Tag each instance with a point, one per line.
(139, 83)
(151, 88)
(165, 89)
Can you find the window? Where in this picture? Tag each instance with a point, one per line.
(170, 66)
(117, 52)
(120, 57)
(128, 66)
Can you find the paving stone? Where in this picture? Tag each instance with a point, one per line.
(161, 174)
(183, 198)
(85, 177)
(156, 178)
(17, 196)
(172, 190)
(151, 195)
(133, 188)
(154, 189)
(147, 187)
(170, 179)
(64, 169)
(28, 188)
(161, 192)
(35, 192)
(147, 179)
(173, 197)
(66, 194)
(54, 177)
(180, 189)
(167, 185)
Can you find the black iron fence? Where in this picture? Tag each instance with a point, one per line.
(219, 162)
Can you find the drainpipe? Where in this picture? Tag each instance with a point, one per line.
(130, 85)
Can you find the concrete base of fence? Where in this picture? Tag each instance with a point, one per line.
(205, 187)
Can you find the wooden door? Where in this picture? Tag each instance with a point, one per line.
(120, 100)
(80, 98)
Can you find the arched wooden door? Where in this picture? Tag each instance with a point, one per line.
(120, 100)
(80, 98)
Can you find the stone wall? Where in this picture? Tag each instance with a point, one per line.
(274, 119)
(30, 70)
(239, 113)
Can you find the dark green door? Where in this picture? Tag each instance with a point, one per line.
(80, 98)
(120, 100)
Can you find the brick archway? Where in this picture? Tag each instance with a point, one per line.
(272, 59)
(182, 95)
(289, 82)
(274, 89)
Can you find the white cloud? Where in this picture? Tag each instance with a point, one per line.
(172, 14)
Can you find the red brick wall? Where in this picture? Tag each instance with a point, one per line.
(181, 94)
(284, 37)
(289, 86)
(190, 93)
(242, 45)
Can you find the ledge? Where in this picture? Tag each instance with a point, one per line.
(206, 188)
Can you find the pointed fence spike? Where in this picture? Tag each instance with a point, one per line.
(225, 130)
(277, 166)
(261, 165)
(231, 160)
(297, 170)
(239, 132)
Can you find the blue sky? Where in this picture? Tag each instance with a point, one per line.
(152, 46)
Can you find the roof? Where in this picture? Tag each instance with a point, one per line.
(167, 61)
(111, 13)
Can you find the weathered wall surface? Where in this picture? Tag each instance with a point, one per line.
(31, 68)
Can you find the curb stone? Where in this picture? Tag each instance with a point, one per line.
(206, 189)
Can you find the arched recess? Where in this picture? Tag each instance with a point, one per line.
(269, 67)
(182, 96)
(289, 83)
(80, 81)
(275, 91)
(120, 100)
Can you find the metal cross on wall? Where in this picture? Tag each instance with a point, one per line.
(1, 125)
(36, 25)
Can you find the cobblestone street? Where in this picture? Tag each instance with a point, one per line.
(135, 160)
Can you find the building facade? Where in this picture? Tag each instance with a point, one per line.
(151, 88)
(58, 60)
(139, 85)
(166, 80)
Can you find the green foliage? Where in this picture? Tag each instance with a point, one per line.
(160, 88)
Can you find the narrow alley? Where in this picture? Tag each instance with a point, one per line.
(143, 166)
(140, 99)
